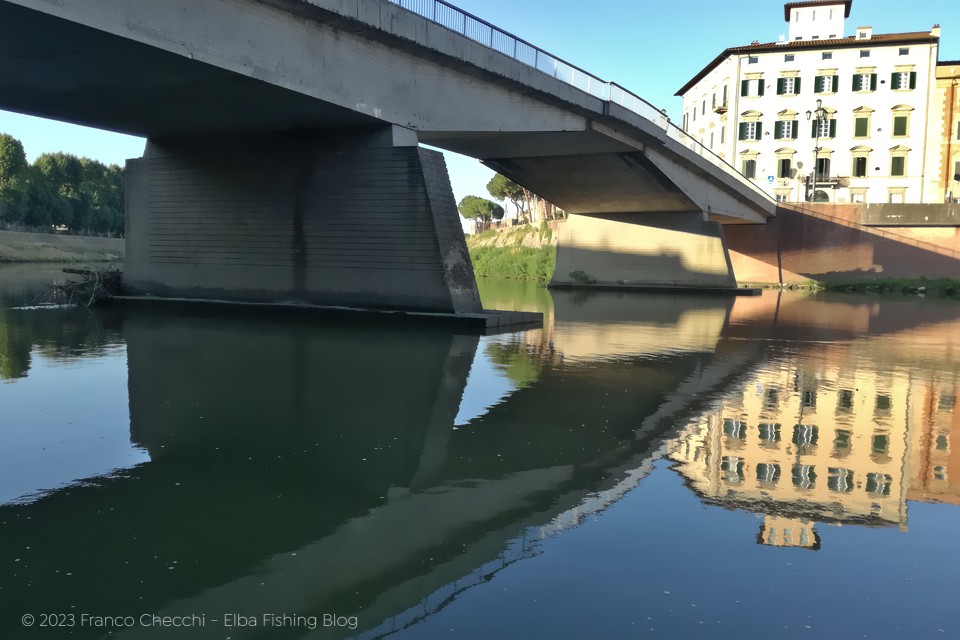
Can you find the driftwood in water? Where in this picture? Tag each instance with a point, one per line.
(94, 285)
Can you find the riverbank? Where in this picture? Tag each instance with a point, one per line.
(16, 246)
(527, 252)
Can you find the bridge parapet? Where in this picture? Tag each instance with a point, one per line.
(489, 35)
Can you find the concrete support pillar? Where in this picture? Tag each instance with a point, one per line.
(671, 250)
(360, 219)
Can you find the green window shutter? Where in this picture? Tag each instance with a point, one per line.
(894, 80)
(836, 83)
(818, 84)
(796, 86)
(873, 82)
(813, 129)
(897, 166)
(760, 87)
(833, 128)
(779, 86)
(913, 79)
(856, 77)
(743, 131)
(744, 88)
(795, 128)
(777, 129)
(860, 128)
(759, 130)
(900, 125)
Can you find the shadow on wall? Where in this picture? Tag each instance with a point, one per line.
(804, 244)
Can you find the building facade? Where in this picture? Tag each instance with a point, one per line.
(819, 115)
(944, 133)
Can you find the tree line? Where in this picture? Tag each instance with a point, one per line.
(526, 203)
(59, 190)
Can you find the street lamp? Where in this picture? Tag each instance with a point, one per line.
(821, 114)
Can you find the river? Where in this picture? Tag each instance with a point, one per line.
(643, 466)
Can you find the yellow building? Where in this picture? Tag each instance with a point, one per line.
(943, 132)
(817, 440)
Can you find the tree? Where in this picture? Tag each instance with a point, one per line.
(480, 209)
(13, 183)
(503, 188)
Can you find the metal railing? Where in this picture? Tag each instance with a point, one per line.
(488, 35)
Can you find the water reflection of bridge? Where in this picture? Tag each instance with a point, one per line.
(314, 468)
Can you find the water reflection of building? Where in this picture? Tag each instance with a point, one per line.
(829, 439)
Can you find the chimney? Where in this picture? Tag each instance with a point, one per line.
(935, 32)
(864, 33)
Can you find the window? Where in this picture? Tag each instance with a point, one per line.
(860, 167)
(788, 57)
(713, 101)
(732, 469)
(900, 126)
(823, 128)
(770, 432)
(751, 87)
(749, 169)
(956, 171)
(861, 127)
(898, 167)
(694, 113)
(826, 55)
(896, 196)
(939, 473)
(879, 484)
(785, 129)
(880, 444)
(752, 59)
(945, 403)
(724, 95)
(783, 168)
(703, 112)
(865, 82)
(804, 476)
(883, 403)
(723, 134)
(805, 437)
(958, 130)
(943, 443)
(711, 139)
(840, 480)
(825, 84)
(858, 195)
(845, 401)
(686, 121)
(823, 169)
(750, 130)
(788, 86)
(734, 429)
(864, 53)
(768, 474)
(903, 80)
(771, 399)
(904, 51)
(841, 442)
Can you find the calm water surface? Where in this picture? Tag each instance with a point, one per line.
(642, 467)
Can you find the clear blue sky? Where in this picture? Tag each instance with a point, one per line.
(652, 48)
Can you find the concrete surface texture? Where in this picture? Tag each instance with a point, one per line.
(348, 220)
(660, 249)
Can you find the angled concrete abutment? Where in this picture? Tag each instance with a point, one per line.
(670, 250)
(360, 218)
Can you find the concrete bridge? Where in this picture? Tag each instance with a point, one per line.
(283, 159)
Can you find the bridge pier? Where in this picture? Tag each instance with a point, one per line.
(363, 218)
(643, 250)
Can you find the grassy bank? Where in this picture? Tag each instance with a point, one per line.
(947, 287)
(16, 246)
(526, 252)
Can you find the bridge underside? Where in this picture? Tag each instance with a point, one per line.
(246, 193)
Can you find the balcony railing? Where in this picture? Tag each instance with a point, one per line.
(488, 35)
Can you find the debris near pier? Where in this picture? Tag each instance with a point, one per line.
(95, 284)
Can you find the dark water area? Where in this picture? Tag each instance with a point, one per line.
(642, 466)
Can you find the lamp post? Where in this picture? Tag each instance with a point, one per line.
(821, 114)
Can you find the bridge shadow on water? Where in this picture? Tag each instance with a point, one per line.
(309, 468)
